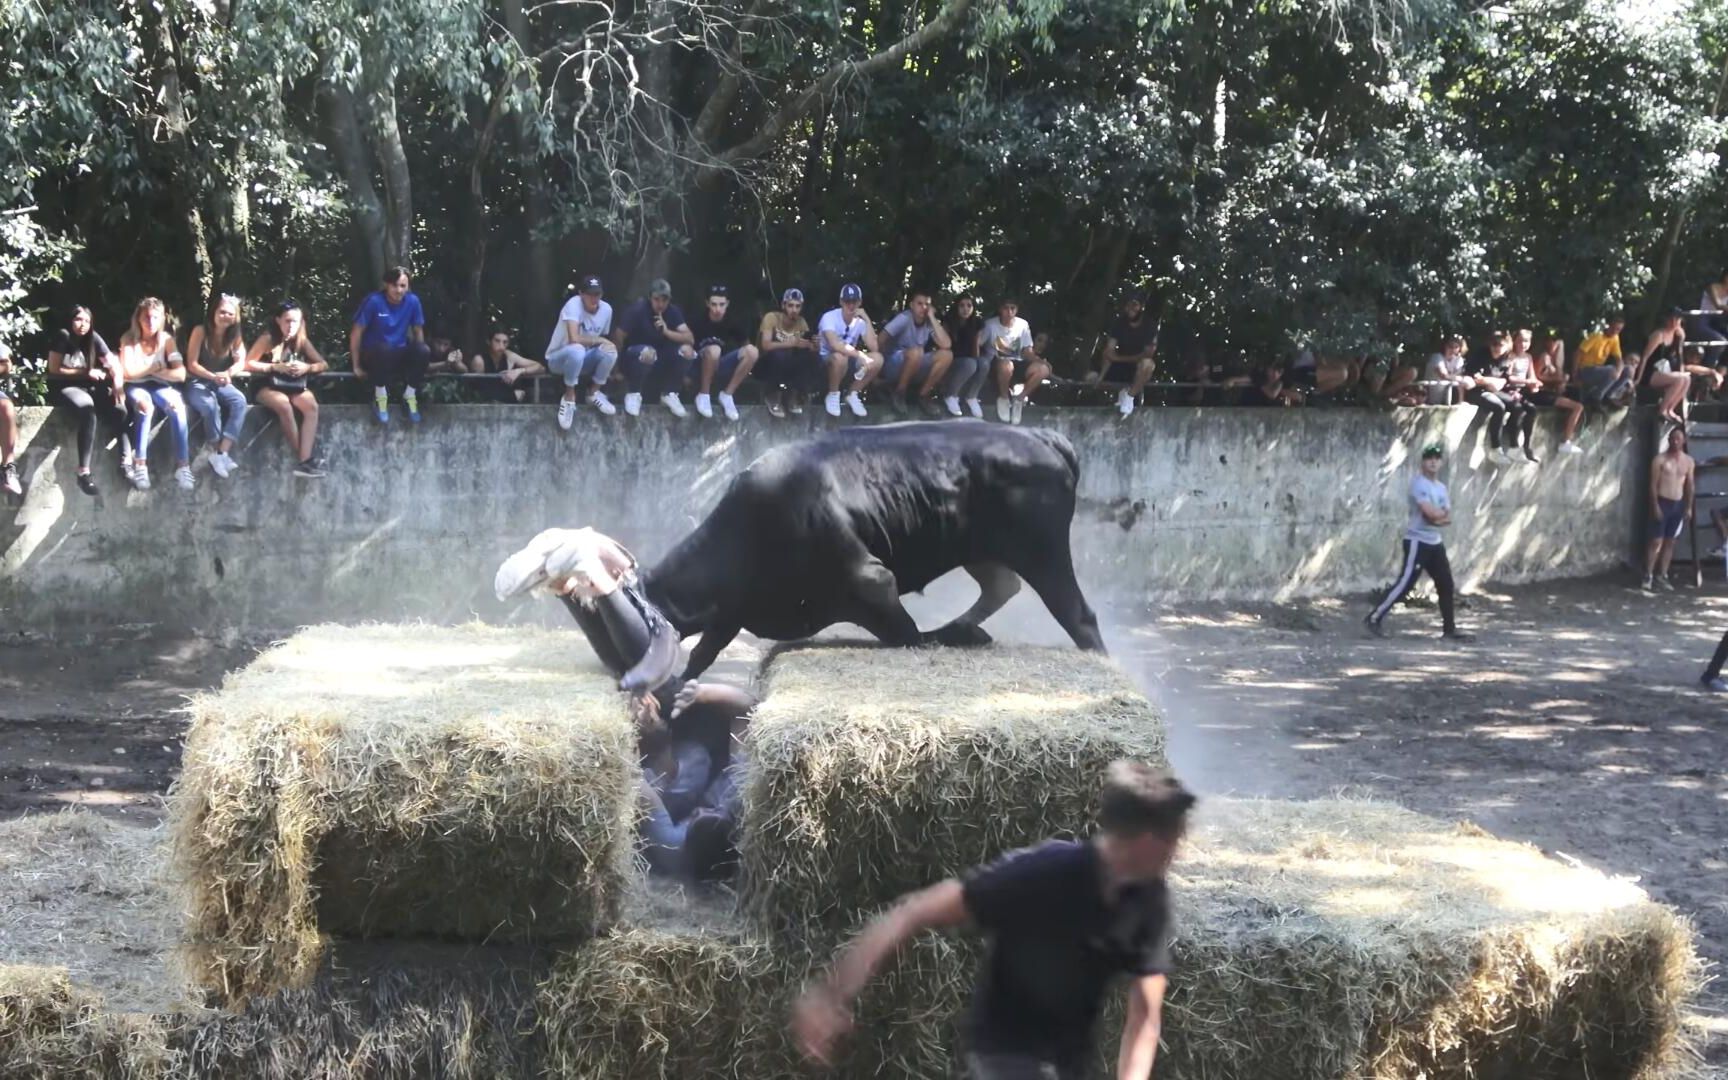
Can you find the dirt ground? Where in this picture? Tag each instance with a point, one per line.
(1574, 721)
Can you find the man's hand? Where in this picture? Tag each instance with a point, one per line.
(1093, 378)
(510, 375)
(819, 1020)
(686, 697)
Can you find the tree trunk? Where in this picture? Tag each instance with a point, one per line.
(1677, 227)
(166, 77)
(348, 143)
(480, 227)
(653, 258)
(398, 186)
(542, 283)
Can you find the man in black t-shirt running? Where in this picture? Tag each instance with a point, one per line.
(1063, 918)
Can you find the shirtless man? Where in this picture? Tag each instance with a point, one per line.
(1671, 496)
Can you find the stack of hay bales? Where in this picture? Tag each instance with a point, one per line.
(471, 783)
(51, 1028)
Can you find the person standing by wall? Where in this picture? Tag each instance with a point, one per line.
(1424, 548)
(8, 431)
(1063, 919)
(387, 344)
(1672, 477)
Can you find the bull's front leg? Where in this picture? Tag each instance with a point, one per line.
(707, 649)
(875, 605)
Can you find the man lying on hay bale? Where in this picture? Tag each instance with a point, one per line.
(688, 731)
(838, 528)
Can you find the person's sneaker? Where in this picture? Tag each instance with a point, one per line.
(86, 483)
(674, 405)
(566, 412)
(796, 405)
(183, 478)
(9, 478)
(1663, 584)
(1457, 635)
(140, 475)
(632, 404)
(856, 404)
(1004, 411)
(602, 404)
(1019, 409)
(126, 456)
(952, 404)
(1530, 456)
(728, 407)
(704, 406)
(308, 469)
(1501, 457)
(1649, 584)
(1717, 552)
(1717, 684)
(221, 465)
(1377, 629)
(776, 407)
(897, 402)
(1570, 447)
(831, 403)
(975, 407)
(1124, 403)
(928, 406)
(413, 404)
(381, 409)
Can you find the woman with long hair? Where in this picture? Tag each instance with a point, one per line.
(215, 356)
(285, 358)
(85, 378)
(152, 366)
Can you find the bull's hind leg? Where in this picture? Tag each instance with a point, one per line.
(1052, 578)
(875, 605)
(997, 585)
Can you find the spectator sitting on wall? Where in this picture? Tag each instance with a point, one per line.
(1130, 354)
(387, 344)
(1006, 341)
(285, 358)
(1311, 372)
(1269, 391)
(1712, 325)
(154, 370)
(1706, 378)
(966, 375)
(580, 347)
(842, 331)
(1487, 368)
(1446, 368)
(1558, 392)
(446, 358)
(1603, 376)
(1391, 381)
(8, 430)
(215, 357)
(500, 360)
(787, 356)
(723, 349)
(656, 348)
(914, 342)
(1521, 386)
(84, 374)
(1661, 368)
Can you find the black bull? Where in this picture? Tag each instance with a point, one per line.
(837, 528)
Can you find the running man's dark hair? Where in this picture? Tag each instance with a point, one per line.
(1140, 798)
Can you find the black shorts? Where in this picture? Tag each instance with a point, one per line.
(1669, 520)
(1122, 371)
(1301, 377)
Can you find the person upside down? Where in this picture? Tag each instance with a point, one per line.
(689, 733)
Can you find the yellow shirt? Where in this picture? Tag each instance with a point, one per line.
(1598, 349)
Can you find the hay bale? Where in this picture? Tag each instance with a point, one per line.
(51, 1028)
(465, 783)
(875, 771)
(1315, 941)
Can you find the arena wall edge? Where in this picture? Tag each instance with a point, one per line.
(1226, 503)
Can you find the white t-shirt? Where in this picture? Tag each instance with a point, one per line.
(835, 323)
(598, 323)
(1004, 342)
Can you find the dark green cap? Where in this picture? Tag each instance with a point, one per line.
(1433, 449)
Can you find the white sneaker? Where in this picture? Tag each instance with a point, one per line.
(183, 478)
(856, 404)
(1019, 408)
(140, 475)
(1004, 411)
(674, 406)
(952, 404)
(1570, 447)
(832, 403)
(1124, 403)
(728, 406)
(704, 407)
(633, 404)
(602, 404)
(566, 412)
(975, 407)
(221, 465)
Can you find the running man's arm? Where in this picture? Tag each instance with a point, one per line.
(824, 1012)
(1140, 1031)
(1655, 480)
(1434, 514)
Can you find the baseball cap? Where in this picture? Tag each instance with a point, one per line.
(716, 290)
(792, 296)
(5, 351)
(1433, 450)
(659, 287)
(591, 284)
(851, 293)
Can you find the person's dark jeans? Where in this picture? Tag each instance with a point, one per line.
(1013, 1067)
(1716, 661)
(799, 370)
(89, 403)
(664, 376)
(1709, 328)
(387, 366)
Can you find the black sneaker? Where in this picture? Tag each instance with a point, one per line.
(931, 410)
(898, 403)
(308, 469)
(1457, 635)
(1373, 627)
(87, 483)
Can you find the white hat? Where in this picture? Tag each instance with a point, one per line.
(5, 351)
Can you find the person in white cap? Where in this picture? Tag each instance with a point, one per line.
(8, 431)
(849, 341)
(580, 346)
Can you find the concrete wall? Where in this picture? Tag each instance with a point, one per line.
(1213, 503)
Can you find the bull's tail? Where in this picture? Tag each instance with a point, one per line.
(1065, 449)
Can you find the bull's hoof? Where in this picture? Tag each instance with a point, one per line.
(962, 636)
